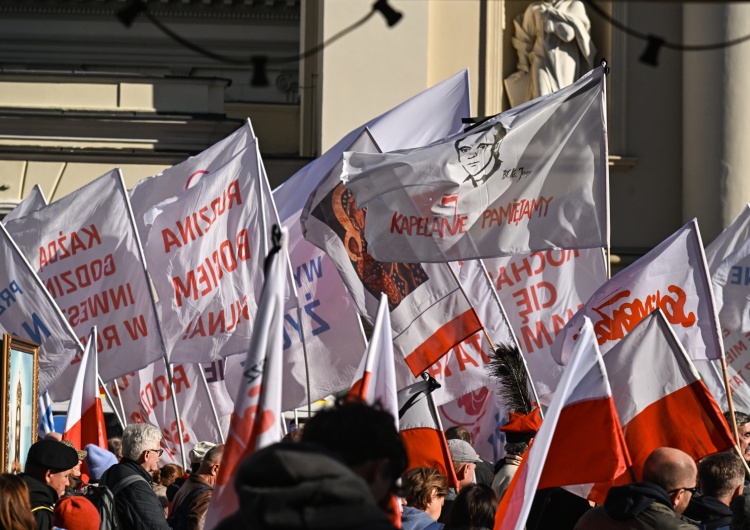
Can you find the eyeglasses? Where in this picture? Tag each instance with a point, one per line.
(691, 490)
(158, 451)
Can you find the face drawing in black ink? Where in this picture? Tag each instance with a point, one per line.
(479, 153)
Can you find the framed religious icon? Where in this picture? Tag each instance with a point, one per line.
(19, 374)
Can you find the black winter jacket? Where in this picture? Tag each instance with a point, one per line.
(43, 499)
(138, 507)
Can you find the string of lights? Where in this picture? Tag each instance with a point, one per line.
(655, 43)
(128, 14)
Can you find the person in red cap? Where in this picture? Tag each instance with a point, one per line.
(76, 513)
(519, 430)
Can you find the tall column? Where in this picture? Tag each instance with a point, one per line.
(716, 114)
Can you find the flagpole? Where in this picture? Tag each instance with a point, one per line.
(606, 168)
(211, 402)
(119, 398)
(730, 402)
(109, 398)
(131, 218)
(264, 184)
(500, 306)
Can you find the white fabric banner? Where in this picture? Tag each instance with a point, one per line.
(28, 311)
(171, 182)
(429, 314)
(532, 178)
(33, 201)
(729, 240)
(541, 292)
(205, 253)
(672, 277)
(85, 249)
(481, 413)
(147, 398)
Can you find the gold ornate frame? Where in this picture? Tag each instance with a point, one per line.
(9, 433)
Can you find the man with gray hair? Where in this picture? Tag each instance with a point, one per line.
(137, 506)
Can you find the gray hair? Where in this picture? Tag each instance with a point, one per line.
(139, 437)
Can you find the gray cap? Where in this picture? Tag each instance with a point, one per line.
(462, 452)
(198, 451)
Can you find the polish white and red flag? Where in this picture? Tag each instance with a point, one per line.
(728, 258)
(33, 201)
(660, 398)
(84, 423)
(171, 182)
(672, 277)
(422, 432)
(256, 422)
(429, 313)
(580, 440)
(375, 381)
(30, 312)
(532, 178)
(85, 249)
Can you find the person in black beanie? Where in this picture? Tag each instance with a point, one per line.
(49, 465)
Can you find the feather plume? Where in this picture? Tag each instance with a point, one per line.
(507, 368)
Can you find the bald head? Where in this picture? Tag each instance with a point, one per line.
(670, 468)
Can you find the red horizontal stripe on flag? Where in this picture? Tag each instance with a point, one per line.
(448, 335)
(687, 419)
(586, 446)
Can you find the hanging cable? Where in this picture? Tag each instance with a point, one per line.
(655, 43)
(128, 14)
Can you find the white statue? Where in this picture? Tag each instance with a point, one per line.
(554, 49)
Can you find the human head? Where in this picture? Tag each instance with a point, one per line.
(479, 153)
(115, 447)
(743, 429)
(474, 507)
(425, 489)
(140, 443)
(53, 436)
(15, 509)
(52, 463)
(209, 468)
(457, 432)
(464, 461)
(365, 438)
(98, 461)
(197, 453)
(75, 475)
(721, 476)
(76, 512)
(170, 473)
(675, 472)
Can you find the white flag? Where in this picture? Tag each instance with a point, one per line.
(27, 310)
(85, 249)
(171, 182)
(205, 251)
(429, 313)
(33, 201)
(532, 178)
(729, 240)
(672, 277)
(256, 421)
(147, 398)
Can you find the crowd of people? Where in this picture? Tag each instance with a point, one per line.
(348, 469)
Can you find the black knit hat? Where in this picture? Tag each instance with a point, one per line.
(52, 455)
